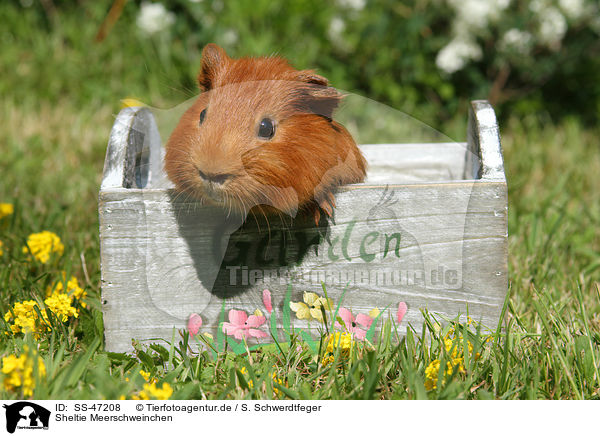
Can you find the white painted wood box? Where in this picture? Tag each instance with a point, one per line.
(427, 227)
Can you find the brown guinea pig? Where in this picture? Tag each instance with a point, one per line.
(261, 135)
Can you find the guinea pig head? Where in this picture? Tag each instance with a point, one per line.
(261, 134)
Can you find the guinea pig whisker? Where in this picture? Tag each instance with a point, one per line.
(267, 221)
(185, 195)
(228, 201)
(182, 192)
(264, 196)
(241, 202)
(255, 219)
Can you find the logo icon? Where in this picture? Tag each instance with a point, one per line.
(26, 415)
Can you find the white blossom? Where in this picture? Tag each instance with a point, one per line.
(574, 9)
(336, 27)
(154, 17)
(553, 26)
(217, 5)
(357, 5)
(454, 56)
(595, 24)
(476, 14)
(537, 6)
(517, 40)
(229, 37)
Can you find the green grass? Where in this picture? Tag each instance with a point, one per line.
(56, 113)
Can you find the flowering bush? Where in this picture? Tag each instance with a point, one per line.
(24, 317)
(6, 209)
(153, 18)
(73, 290)
(152, 392)
(42, 245)
(19, 372)
(522, 55)
(342, 342)
(454, 354)
(275, 379)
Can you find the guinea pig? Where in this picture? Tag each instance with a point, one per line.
(261, 136)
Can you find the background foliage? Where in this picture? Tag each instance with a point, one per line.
(424, 57)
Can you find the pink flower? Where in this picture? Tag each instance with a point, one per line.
(352, 323)
(402, 308)
(241, 325)
(267, 300)
(194, 323)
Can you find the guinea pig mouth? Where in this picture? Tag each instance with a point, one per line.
(214, 192)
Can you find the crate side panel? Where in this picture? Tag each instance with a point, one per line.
(128, 312)
(435, 246)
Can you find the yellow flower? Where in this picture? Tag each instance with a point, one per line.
(131, 102)
(311, 308)
(147, 377)
(1, 245)
(278, 381)
(60, 305)
(151, 392)
(374, 313)
(342, 340)
(431, 374)
(164, 393)
(19, 372)
(454, 347)
(432, 370)
(42, 245)
(6, 209)
(245, 371)
(74, 291)
(339, 340)
(24, 318)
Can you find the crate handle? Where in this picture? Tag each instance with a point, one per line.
(133, 155)
(484, 150)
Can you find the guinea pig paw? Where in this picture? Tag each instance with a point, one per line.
(327, 205)
(331, 199)
(317, 216)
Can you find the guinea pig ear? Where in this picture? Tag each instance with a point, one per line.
(309, 76)
(212, 57)
(321, 98)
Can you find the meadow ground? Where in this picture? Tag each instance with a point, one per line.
(56, 114)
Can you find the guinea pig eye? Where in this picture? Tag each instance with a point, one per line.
(202, 115)
(266, 128)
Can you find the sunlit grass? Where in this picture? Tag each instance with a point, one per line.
(548, 349)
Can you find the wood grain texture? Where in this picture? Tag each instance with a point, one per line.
(422, 235)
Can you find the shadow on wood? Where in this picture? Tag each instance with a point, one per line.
(242, 249)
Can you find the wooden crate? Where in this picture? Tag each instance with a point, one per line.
(428, 227)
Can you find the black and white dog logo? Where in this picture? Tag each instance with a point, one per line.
(26, 415)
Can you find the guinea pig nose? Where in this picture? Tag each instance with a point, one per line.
(219, 179)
